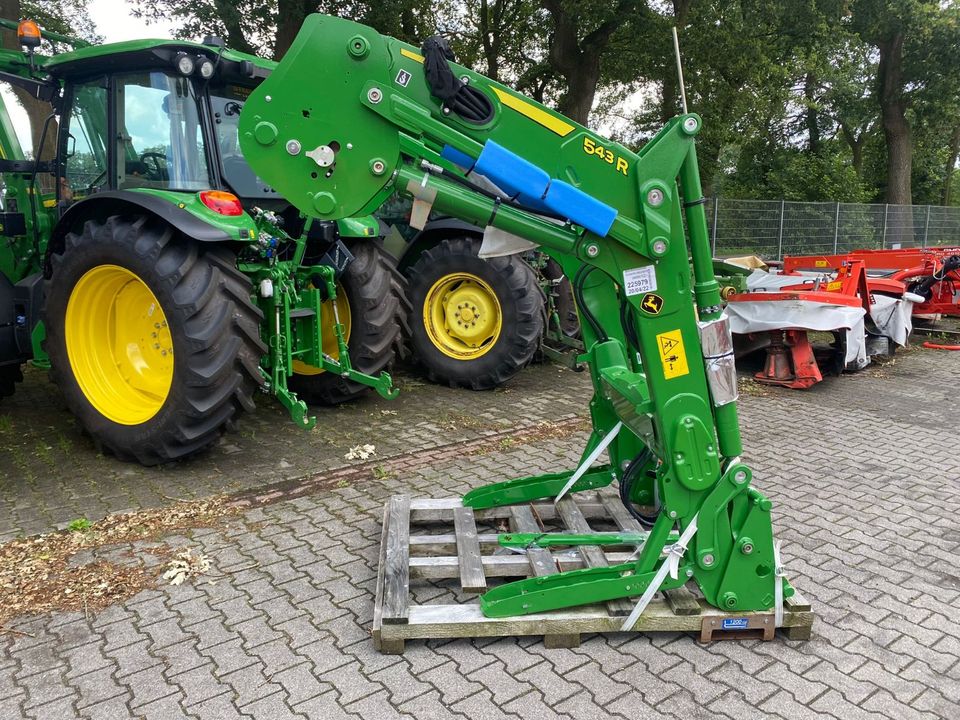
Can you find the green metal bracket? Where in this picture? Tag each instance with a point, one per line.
(574, 587)
(526, 489)
(527, 540)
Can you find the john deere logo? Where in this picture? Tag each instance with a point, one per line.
(652, 303)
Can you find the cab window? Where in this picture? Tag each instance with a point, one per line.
(86, 147)
(160, 140)
(227, 101)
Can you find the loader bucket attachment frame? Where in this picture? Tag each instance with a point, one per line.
(659, 350)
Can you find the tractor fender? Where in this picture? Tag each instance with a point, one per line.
(431, 234)
(112, 202)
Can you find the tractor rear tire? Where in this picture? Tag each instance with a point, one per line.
(373, 291)
(152, 336)
(10, 375)
(477, 322)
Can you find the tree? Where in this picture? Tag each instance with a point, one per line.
(268, 27)
(583, 36)
(66, 17)
(916, 41)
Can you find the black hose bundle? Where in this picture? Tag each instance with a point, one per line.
(924, 286)
(457, 97)
(626, 485)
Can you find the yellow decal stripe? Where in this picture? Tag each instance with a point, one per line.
(673, 357)
(412, 55)
(531, 111)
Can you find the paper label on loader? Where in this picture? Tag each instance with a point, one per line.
(673, 357)
(637, 281)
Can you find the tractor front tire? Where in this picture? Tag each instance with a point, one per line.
(153, 338)
(477, 322)
(373, 307)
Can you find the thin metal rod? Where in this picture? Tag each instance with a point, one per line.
(676, 50)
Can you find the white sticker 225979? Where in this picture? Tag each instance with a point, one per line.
(637, 281)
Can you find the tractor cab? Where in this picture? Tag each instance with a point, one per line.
(156, 115)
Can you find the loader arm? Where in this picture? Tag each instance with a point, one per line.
(350, 116)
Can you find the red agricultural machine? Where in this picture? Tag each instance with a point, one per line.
(866, 299)
(932, 273)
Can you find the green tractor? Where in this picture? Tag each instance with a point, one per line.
(143, 261)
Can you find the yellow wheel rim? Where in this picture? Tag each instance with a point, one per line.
(119, 345)
(462, 316)
(328, 338)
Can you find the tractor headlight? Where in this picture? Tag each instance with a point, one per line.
(184, 63)
(205, 68)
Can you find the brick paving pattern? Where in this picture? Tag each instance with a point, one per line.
(862, 470)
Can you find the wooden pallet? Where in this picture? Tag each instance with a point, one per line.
(418, 545)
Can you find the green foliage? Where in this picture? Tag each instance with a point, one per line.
(79, 525)
(791, 91)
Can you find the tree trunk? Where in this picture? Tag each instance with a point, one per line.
(236, 39)
(577, 101)
(578, 61)
(896, 129)
(951, 168)
(670, 97)
(487, 38)
(856, 147)
(811, 116)
(290, 16)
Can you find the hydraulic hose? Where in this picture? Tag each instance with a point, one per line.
(626, 485)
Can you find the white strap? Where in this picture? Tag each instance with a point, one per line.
(671, 564)
(591, 458)
(778, 575)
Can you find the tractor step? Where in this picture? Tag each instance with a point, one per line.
(449, 554)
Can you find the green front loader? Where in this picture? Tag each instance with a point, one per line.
(622, 225)
(156, 275)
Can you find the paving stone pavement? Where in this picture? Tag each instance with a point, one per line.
(51, 473)
(865, 481)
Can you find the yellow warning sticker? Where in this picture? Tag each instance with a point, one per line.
(672, 355)
(835, 285)
(820, 263)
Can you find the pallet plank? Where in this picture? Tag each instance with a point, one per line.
(387, 647)
(541, 563)
(624, 520)
(430, 567)
(592, 555)
(472, 579)
(440, 511)
(682, 601)
(396, 599)
(522, 521)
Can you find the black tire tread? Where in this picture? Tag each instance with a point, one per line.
(10, 375)
(212, 316)
(520, 334)
(379, 312)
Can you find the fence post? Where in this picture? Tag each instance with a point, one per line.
(926, 227)
(836, 229)
(883, 236)
(780, 234)
(716, 216)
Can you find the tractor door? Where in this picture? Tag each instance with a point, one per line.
(28, 143)
(84, 144)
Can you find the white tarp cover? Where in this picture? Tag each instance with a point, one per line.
(755, 316)
(892, 316)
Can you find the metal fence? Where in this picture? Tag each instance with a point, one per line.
(774, 228)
